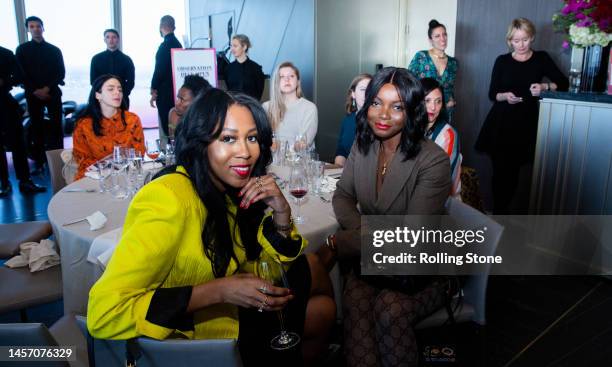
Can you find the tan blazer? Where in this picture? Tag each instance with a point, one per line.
(419, 185)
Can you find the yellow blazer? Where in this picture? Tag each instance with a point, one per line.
(161, 247)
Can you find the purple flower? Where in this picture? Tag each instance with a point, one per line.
(584, 23)
(580, 16)
(565, 10)
(565, 45)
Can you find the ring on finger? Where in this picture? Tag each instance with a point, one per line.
(263, 304)
(263, 289)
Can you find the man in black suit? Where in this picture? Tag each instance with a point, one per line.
(11, 131)
(113, 61)
(43, 72)
(162, 93)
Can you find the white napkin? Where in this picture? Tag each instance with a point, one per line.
(328, 184)
(96, 220)
(103, 246)
(92, 174)
(38, 256)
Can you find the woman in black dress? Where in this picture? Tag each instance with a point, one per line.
(509, 132)
(243, 74)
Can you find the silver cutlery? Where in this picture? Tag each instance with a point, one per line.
(80, 190)
(324, 199)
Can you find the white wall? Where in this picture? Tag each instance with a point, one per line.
(419, 14)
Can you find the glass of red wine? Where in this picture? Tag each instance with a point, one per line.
(152, 150)
(298, 187)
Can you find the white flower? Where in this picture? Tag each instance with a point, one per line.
(588, 36)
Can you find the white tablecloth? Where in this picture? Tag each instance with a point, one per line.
(75, 240)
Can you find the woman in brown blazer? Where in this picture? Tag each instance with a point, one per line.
(392, 170)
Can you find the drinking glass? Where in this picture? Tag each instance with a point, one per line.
(290, 154)
(104, 170)
(317, 174)
(120, 155)
(300, 144)
(574, 80)
(275, 274)
(152, 149)
(170, 159)
(120, 183)
(298, 187)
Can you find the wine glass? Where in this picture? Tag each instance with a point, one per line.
(275, 274)
(152, 150)
(300, 145)
(298, 187)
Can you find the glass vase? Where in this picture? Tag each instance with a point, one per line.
(588, 71)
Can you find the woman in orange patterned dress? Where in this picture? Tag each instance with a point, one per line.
(105, 124)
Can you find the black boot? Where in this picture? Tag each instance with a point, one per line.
(29, 187)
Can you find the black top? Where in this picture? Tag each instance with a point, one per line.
(10, 72)
(162, 76)
(246, 77)
(512, 128)
(116, 63)
(42, 65)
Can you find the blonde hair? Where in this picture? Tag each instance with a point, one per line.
(522, 24)
(276, 110)
(244, 41)
(348, 105)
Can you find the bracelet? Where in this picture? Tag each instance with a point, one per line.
(283, 227)
(330, 242)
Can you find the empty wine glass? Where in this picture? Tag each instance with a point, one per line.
(298, 187)
(300, 145)
(275, 274)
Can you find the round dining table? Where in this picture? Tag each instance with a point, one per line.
(82, 198)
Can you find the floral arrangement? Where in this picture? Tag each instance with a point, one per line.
(586, 22)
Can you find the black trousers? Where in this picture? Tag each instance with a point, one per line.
(510, 191)
(11, 136)
(46, 134)
(164, 103)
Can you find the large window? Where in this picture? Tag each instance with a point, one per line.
(8, 29)
(141, 38)
(76, 27)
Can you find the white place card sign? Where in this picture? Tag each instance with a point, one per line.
(200, 61)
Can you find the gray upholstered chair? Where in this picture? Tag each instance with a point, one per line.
(14, 234)
(474, 300)
(56, 165)
(20, 288)
(158, 353)
(24, 334)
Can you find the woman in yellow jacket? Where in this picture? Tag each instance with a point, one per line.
(184, 265)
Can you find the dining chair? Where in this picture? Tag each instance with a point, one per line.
(56, 165)
(26, 289)
(158, 353)
(472, 306)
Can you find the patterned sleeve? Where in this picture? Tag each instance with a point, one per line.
(81, 151)
(414, 66)
(137, 134)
